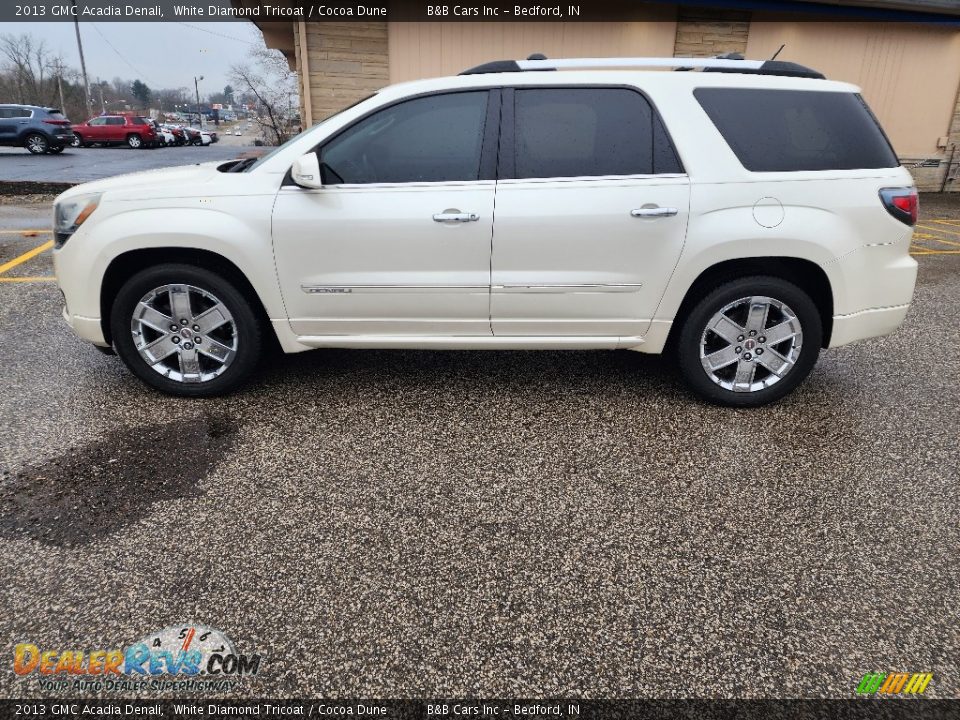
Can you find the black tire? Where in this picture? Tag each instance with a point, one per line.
(134, 141)
(56, 149)
(36, 144)
(694, 326)
(249, 330)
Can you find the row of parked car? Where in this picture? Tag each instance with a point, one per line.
(46, 130)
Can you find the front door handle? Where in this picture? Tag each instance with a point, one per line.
(654, 212)
(455, 216)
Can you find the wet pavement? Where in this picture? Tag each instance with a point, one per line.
(76, 165)
(532, 524)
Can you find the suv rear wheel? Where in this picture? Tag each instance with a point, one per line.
(750, 341)
(134, 141)
(36, 143)
(185, 330)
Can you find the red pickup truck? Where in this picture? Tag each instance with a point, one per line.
(131, 130)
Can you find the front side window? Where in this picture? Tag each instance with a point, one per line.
(576, 132)
(437, 138)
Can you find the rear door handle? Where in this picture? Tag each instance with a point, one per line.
(455, 216)
(654, 212)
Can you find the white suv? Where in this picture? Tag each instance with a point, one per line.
(741, 217)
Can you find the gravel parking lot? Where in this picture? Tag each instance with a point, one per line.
(391, 524)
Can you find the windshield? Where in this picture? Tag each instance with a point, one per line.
(263, 158)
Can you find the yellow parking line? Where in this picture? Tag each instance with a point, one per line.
(26, 256)
(27, 232)
(39, 278)
(939, 230)
(945, 222)
(942, 240)
(935, 252)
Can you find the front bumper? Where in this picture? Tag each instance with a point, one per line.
(86, 328)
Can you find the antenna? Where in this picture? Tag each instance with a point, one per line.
(778, 51)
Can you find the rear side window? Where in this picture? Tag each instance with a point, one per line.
(115, 121)
(793, 130)
(576, 132)
(15, 113)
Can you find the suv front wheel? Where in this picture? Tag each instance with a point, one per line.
(750, 341)
(185, 330)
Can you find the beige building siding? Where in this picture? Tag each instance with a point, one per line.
(909, 73)
(430, 49)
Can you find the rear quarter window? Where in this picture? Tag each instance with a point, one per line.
(795, 130)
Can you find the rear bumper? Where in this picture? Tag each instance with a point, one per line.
(875, 322)
(873, 288)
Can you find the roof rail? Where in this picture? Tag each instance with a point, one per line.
(724, 64)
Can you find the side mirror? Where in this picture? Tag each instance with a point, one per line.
(306, 171)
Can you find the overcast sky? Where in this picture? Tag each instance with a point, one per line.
(163, 55)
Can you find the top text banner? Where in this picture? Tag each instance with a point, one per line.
(331, 10)
(12, 11)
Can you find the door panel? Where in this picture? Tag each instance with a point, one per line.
(570, 259)
(373, 261)
(8, 126)
(591, 213)
(115, 130)
(397, 242)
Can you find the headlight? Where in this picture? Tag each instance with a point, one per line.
(70, 214)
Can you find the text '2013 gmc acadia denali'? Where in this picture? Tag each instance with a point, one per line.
(741, 217)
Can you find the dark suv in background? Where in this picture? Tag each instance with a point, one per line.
(39, 129)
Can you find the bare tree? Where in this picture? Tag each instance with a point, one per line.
(28, 65)
(273, 86)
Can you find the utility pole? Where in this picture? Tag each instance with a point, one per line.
(103, 105)
(63, 109)
(83, 64)
(196, 87)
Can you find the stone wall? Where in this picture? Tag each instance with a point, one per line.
(347, 61)
(704, 32)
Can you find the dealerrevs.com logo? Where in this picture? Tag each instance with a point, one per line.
(180, 657)
(894, 683)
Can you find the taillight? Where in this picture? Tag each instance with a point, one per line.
(57, 122)
(902, 202)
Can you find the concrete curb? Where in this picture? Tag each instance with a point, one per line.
(24, 187)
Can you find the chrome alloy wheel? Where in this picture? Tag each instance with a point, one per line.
(750, 344)
(37, 144)
(184, 333)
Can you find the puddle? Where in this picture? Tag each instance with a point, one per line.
(97, 489)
